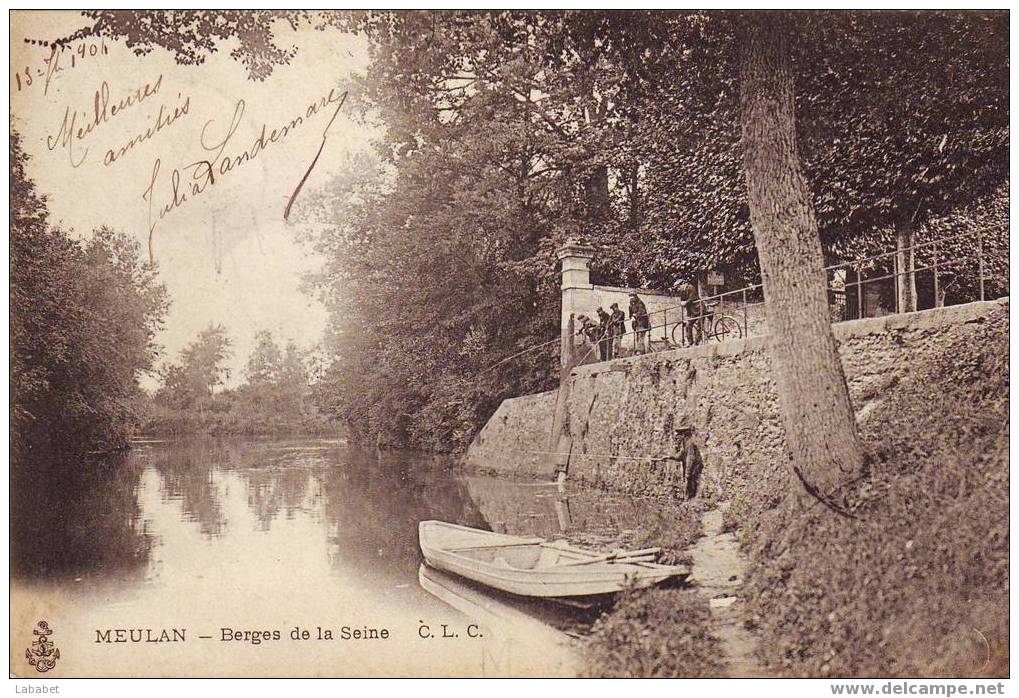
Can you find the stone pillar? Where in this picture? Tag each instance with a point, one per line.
(575, 257)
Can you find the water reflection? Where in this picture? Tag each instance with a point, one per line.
(373, 512)
(272, 492)
(76, 518)
(266, 534)
(186, 469)
(584, 516)
(358, 510)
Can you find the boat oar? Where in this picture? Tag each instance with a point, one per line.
(515, 544)
(645, 555)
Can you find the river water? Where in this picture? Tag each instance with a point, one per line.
(219, 537)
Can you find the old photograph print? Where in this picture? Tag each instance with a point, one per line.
(616, 343)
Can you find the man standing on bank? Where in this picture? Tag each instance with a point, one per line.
(618, 329)
(605, 340)
(694, 311)
(640, 322)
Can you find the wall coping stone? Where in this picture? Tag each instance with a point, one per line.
(530, 396)
(919, 320)
(639, 291)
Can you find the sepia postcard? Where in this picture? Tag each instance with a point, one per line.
(510, 343)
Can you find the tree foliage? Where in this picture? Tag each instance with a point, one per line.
(191, 382)
(900, 117)
(505, 132)
(83, 320)
(193, 35)
(277, 379)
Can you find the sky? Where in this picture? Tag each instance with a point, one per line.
(225, 255)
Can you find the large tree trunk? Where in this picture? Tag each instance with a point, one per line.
(597, 194)
(821, 437)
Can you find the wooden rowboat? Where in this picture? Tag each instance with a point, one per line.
(535, 567)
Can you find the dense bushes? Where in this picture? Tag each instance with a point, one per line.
(240, 412)
(83, 318)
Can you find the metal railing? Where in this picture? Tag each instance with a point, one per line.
(931, 255)
(966, 275)
(740, 313)
(679, 327)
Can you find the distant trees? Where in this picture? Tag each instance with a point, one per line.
(191, 381)
(82, 325)
(265, 362)
(192, 397)
(279, 379)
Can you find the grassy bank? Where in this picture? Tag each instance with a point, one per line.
(659, 632)
(655, 633)
(915, 582)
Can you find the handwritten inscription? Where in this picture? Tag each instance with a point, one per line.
(72, 131)
(164, 119)
(223, 156)
(321, 146)
(55, 63)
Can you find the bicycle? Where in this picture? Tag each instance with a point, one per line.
(705, 327)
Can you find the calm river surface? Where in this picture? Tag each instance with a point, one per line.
(255, 535)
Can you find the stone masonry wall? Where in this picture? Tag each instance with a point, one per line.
(627, 415)
(513, 438)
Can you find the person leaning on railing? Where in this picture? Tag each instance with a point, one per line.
(604, 335)
(640, 322)
(589, 330)
(617, 328)
(694, 310)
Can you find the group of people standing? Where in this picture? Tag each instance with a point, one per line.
(607, 333)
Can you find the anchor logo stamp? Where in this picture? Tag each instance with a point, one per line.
(43, 654)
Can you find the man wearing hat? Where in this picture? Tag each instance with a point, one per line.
(604, 338)
(617, 328)
(589, 330)
(640, 322)
(694, 312)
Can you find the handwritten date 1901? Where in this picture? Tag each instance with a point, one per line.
(56, 62)
(190, 181)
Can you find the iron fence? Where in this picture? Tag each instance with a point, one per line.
(925, 274)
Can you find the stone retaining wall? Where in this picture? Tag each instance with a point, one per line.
(627, 416)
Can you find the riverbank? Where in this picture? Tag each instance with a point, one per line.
(668, 630)
(913, 581)
(237, 413)
(698, 630)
